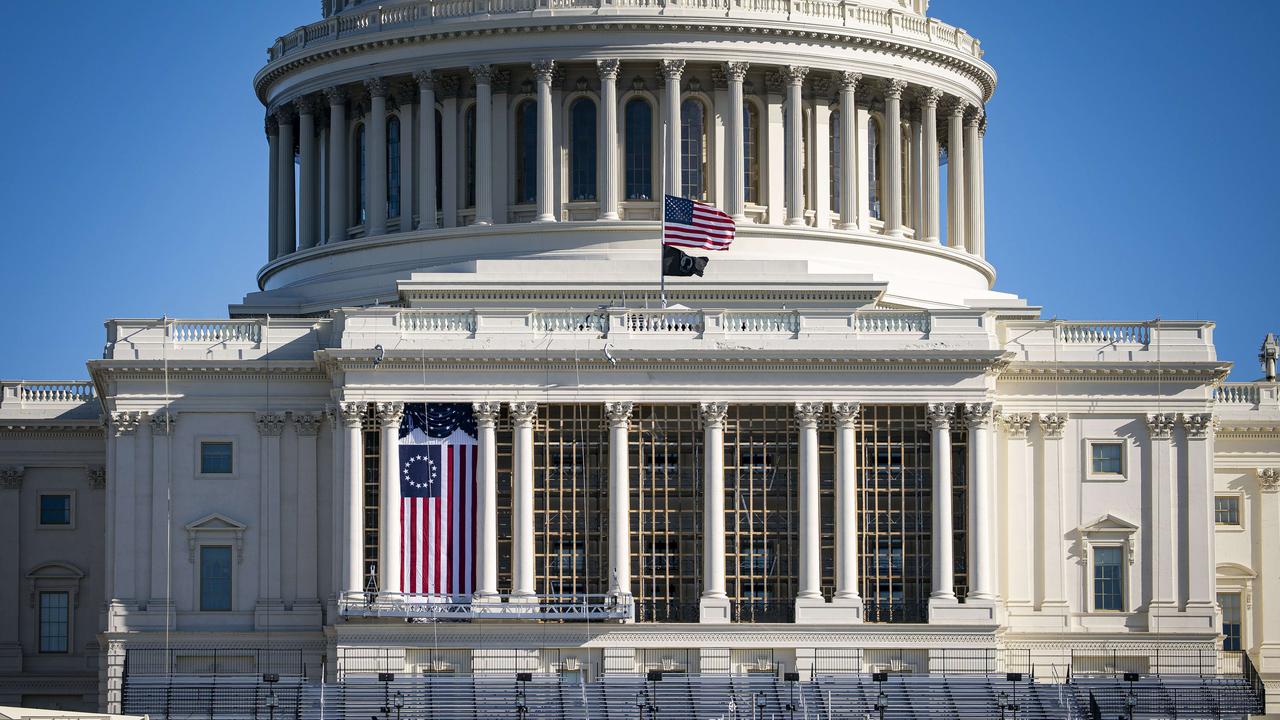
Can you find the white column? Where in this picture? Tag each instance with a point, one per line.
(1020, 492)
(714, 604)
(774, 174)
(285, 206)
(982, 518)
(609, 170)
(338, 165)
(426, 149)
(892, 140)
(270, 426)
(915, 179)
(810, 581)
(306, 550)
(486, 414)
(735, 73)
(1052, 564)
(407, 194)
(1267, 635)
(142, 500)
(389, 415)
(955, 177)
(820, 159)
(849, 179)
(337, 473)
(848, 525)
(124, 476)
(482, 75)
(943, 537)
(375, 135)
(450, 141)
(543, 70)
(619, 497)
(273, 187)
(929, 156)
(308, 158)
(162, 425)
(671, 72)
(1201, 563)
(795, 75)
(353, 451)
(971, 181)
(522, 562)
(981, 240)
(1163, 501)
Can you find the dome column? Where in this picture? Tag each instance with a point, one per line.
(671, 72)
(929, 157)
(972, 182)
(338, 204)
(543, 70)
(981, 205)
(608, 179)
(308, 160)
(482, 75)
(893, 157)
(285, 240)
(273, 187)
(735, 73)
(426, 149)
(376, 159)
(849, 178)
(795, 75)
(955, 177)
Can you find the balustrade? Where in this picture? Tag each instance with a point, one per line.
(1101, 333)
(435, 321)
(213, 331)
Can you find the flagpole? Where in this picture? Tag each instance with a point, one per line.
(662, 276)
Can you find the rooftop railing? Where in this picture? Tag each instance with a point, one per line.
(47, 392)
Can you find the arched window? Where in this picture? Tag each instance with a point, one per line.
(527, 153)
(469, 155)
(873, 166)
(393, 166)
(751, 153)
(693, 150)
(835, 162)
(439, 162)
(639, 150)
(582, 150)
(361, 178)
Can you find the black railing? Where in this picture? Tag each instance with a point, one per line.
(1154, 661)
(915, 611)
(764, 611)
(218, 661)
(1250, 674)
(664, 611)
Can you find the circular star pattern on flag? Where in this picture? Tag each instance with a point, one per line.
(432, 470)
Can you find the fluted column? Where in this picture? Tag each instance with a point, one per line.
(273, 187)
(522, 563)
(929, 156)
(893, 157)
(1163, 501)
(982, 580)
(389, 568)
(543, 70)
(353, 519)
(848, 527)
(609, 170)
(810, 581)
(285, 206)
(849, 150)
(338, 165)
(971, 181)
(482, 75)
(426, 149)
(735, 73)
(795, 75)
(955, 177)
(981, 240)
(450, 177)
(308, 159)
(486, 414)
(405, 100)
(714, 604)
(943, 561)
(375, 135)
(672, 70)
(619, 497)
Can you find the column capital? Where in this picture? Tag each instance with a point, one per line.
(11, 477)
(486, 413)
(807, 413)
(959, 108)
(893, 89)
(1016, 424)
(795, 74)
(352, 414)
(162, 423)
(974, 118)
(425, 78)
(335, 95)
(283, 113)
(269, 124)
(270, 424)
(736, 71)
(96, 475)
(126, 422)
(308, 423)
(940, 415)
(376, 87)
(1053, 424)
(544, 70)
(1269, 479)
(608, 68)
(1160, 425)
(671, 69)
(619, 412)
(931, 97)
(982, 129)
(977, 415)
(307, 104)
(713, 413)
(849, 80)
(481, 74)
(846, 413)
(1200, 426)
(523, 412)
(390, 413)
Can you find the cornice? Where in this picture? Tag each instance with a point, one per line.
(205, 369)
(1026, 371)
(53, 428)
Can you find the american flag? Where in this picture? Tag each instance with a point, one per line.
(690, 224)
(438, 511)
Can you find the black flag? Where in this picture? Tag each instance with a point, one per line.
(677, 264)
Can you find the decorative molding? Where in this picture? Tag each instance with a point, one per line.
(11, 477)
(126, 422)
(671, 70)
(713, 413)
(849, 80)
(219, 527)
(808, 413)
(271, 424)
(390, 413)
(1160, 425)
(619, 412)
(162, 423)
(960, 107)
(523, 412)
(1016, 424)
(1200, 425)
(931, 97)
(736, 71)
(308, 423)
(893, 88)
(96, 475)
(1269, 479)
(336, 96)
(795, 74)
(608, 68)
(283, 113)
(481, 74)
(486, 413)
(939, 415)
(846, 413)
(352, 414)
(544, 70)
(376, 87)
(1053, 425)
(977, 415)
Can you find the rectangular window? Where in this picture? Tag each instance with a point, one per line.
(1106, 458)
(215, 577)
(1226, 510)
(1108, 578)
(215, 458)
(55, 509)
(54, 622)
(1231, 619)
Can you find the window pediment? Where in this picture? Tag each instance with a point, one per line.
(1109, 530)
(217, 528)
(54, 577)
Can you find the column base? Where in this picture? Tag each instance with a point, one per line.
(714, 610)
(816, 611)
(949, 611)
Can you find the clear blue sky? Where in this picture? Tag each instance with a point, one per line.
(1124, 161)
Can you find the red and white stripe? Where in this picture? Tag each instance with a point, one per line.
(712, 229)
(438, 540)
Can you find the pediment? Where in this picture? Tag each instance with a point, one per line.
(215, 523)
(1235, 570)
(55, 571)
(1109, 524)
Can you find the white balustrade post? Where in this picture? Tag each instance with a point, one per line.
(273, 187)
(522, 556)
(486, 414)
(714, 604)
(338, 201)
(482, 75)
(943, 592)
(672, 70)
(955, 177)
(982, 518)
(389, 566)
(849, 150)
(543, 71)
(308, 160)
(929, 156)
(426, 149)
(892, 139)
(375, 134)
(736, 73)
(609, 171)
(619, 498)
(285, 205)
(795, 75)
(353, 451)
(809, 591)
(971, 181)
(848, 526)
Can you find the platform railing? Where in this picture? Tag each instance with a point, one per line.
(566, 608)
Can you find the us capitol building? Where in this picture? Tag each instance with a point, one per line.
(839, 453)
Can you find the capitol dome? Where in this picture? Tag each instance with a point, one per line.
(556, 125)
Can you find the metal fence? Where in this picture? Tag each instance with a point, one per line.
(220, 661)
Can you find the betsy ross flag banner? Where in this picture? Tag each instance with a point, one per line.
(438, 456)
(690, 224)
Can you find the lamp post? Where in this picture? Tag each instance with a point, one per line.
(792, 678)
(882, 700)
(1130, 699)
(272, 703)
(398, 700)
(522, 707)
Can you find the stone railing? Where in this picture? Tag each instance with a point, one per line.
(762, 322)
(1260, 396)
(1090, 333)
(215, 331)
(891, 322)
(1077, 341)
(231, 339)
(436, 321)
(570, 321)
(822, 13)
(51, 392)
(664, 321)
(1237, 394)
